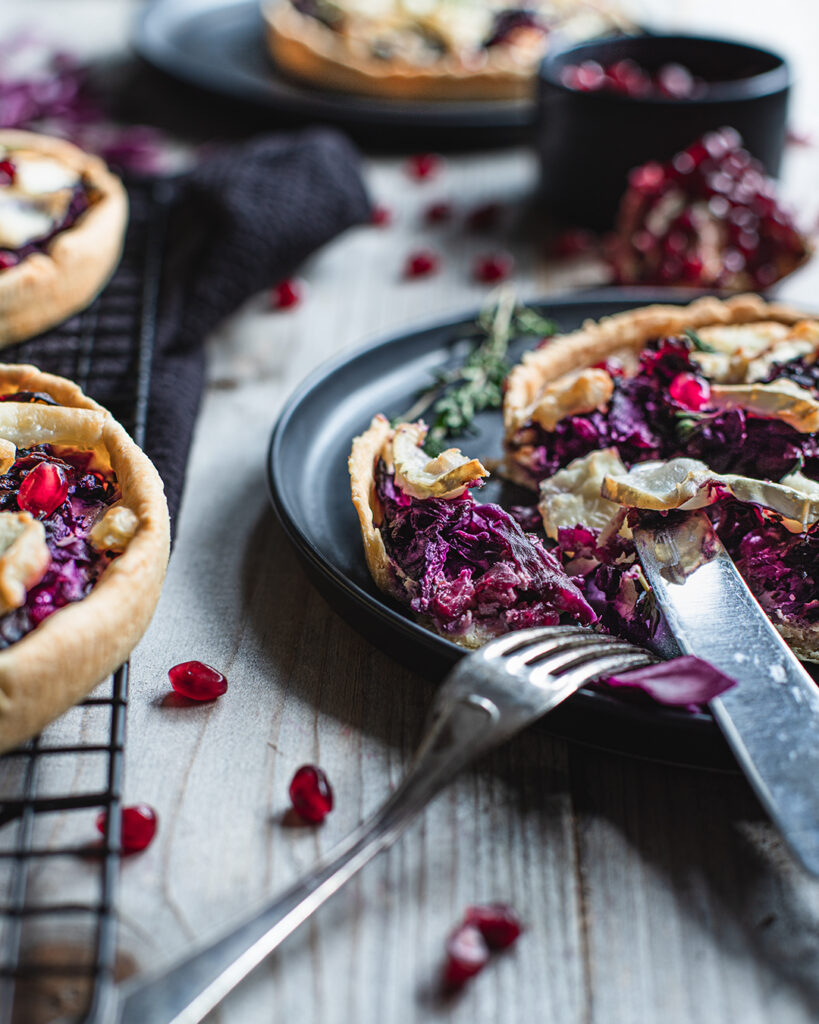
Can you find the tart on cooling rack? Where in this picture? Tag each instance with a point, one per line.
(426, 49)
(84, 538)
(713, 405)
(62, 222)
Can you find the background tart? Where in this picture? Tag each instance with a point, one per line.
(347, 54)
(60, 269)
(73, 649)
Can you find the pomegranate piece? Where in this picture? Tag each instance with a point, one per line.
(8, 259)
(43, 490)
(381, 216)
(197, 681)
(497, 922)
(438, 213)
(311, 794)
(708, 218)
(286, 294)
(421, 263)
(424, 166)
(493, 268)
(139, 824)
(7, 172)
(466, 954)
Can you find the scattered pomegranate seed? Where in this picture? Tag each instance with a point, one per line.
(7, 172)
(437, 213)
(676, 82)
(466, 954)
(794, 137)
(493, 268)
(139, 824)
(484, 217)
(8, 259)
(43, 489)
(197, 681)
(421, 263)
(424, 166)
(381, 216)
(689, 391)
(497, 922)
(286, 294)
(310, 794)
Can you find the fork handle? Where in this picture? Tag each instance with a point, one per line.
(188, 990)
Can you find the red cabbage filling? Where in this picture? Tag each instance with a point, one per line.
(75, 564)
(80, 202)
(644, 422)
(467, 566)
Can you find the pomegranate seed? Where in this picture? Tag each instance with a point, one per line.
(139, 824)
(8, 259)
(497, 922)
(437, 213)
(689, 391)
(648, 178)
(310, 794)
(421, 263)
(675, 81)
(286, 294)
(197, 681)
(424, 166)
(7, 172)
(493, 268)
(466, 954)
(794, 137)
(589, 76)
(43, 490)
(484, 217)
(381, 216)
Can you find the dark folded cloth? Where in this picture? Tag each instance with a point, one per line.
(238, 223)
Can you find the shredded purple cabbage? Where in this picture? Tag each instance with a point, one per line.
(466, 564)
(75, 564)
(686, 682)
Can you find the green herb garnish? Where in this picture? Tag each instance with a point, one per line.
(456, 396)
(697, 342)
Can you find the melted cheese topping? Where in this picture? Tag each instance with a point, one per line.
(572, 496)
(746, 352)
(24, 557)
(37, 201)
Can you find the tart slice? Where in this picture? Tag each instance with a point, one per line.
(83, 547)
(466, 570)
(429, 50)
(62, 222)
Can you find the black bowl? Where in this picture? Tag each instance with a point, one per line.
(589, 141)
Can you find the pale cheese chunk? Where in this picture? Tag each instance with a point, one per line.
(446, 476)
(780, 399)
(40, 175)
(572, 394)
(24, 557)
(572, 497)
(21, 223)
(115, 529)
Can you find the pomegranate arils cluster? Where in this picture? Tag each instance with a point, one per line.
(311, 794)
(671, 81)
(139, 824)
(492, 926)
(43, 490)
(197, 681)
(708, 218)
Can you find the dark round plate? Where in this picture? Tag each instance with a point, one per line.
(310, 490)
(219, 45)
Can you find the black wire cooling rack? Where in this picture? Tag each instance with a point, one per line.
(58, 955)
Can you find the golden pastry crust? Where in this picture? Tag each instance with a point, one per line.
(69, 653)
(47, 287)
(305, 48)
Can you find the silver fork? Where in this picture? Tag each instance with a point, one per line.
(487, 698)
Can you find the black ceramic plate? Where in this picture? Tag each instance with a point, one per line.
(310, 491)
(219, 45)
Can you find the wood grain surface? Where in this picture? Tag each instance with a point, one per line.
(651, 893)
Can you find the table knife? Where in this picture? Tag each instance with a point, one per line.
(771, 718)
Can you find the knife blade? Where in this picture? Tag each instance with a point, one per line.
(771, 718)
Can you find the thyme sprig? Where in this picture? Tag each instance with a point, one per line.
(697, 341)
(457, 395)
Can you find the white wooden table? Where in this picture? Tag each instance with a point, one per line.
(650, 892)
